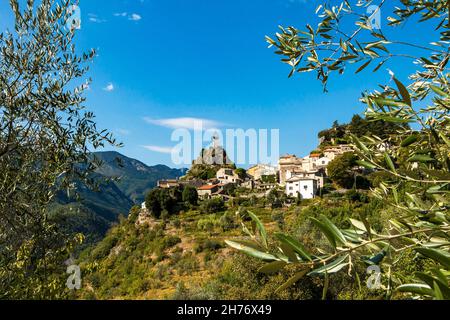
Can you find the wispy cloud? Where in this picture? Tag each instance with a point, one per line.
(123, 132)
(94, 18)
(109, 87)
(159, 149)
(131, 16)
(184, 123)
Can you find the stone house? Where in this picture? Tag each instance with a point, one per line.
(318, 175)
(259, 170)
(306, 187)
(167, 184)
(226, 175)
(333, 151)
(207, 191)
(287, 163)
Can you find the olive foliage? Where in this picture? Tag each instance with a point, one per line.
(416, 156)
(46, 137)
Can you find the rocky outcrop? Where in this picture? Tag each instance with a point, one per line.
(213, 156)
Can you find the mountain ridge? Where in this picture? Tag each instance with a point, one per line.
(136, 178)
(122, 183)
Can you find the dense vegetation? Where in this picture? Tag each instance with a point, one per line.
(344, 172)
(358, 126)
(164, 201)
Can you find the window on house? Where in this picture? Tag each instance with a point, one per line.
(290, 188)
(306, 187)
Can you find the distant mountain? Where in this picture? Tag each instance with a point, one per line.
(136, 179)
(97, 210)
(108, 202)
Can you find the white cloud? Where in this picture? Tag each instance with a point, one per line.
(123, 132)
(184, 123)
(109, 87)
(135, 17)
(159, 149)
(94, 18)
(132, 16)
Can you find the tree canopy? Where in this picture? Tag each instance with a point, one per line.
(359, 126)
(190, 195)
(46, 137)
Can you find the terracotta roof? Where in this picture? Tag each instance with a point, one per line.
(207, 187)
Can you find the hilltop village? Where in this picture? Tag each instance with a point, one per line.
(298, 177)
(332, 168)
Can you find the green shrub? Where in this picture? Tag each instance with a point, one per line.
(187, 264)
(278, 217)
(208, 245)
(159, 200)
(105, 246)
(176, 223)
(212, 206)
(208, 224)
(190, 195)
(269, 178)
(356, 196)
(171, 241)
(227, 222)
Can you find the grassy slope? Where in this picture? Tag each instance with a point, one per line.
(186, 258)
(148, 261)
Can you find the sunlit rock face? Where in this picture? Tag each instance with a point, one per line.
(214, 155)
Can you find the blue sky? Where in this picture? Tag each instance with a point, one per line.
(207, 59)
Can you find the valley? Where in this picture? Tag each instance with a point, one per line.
(122, 183)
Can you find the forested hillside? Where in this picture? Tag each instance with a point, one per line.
(120, 183)
(135, 178)
(185, 256)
